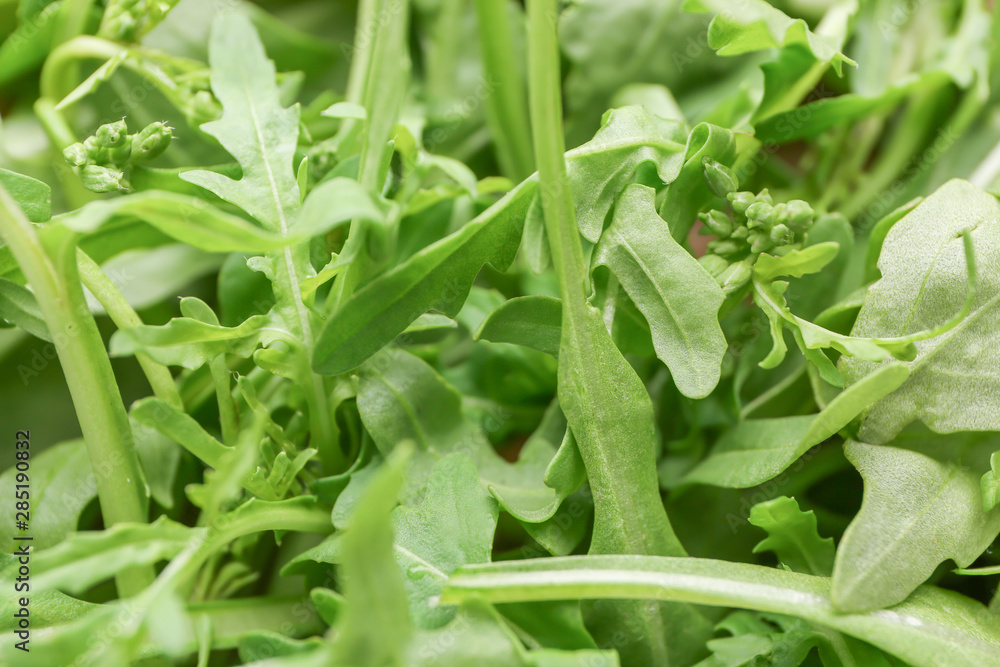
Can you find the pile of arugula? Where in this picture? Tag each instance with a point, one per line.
(515, 334)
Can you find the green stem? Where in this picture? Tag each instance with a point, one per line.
(124, 316)
(605, 402)
(441, 52)
(121, 487)
(384, 91)
(932, 627)
(59, 75)
(228, 419)
(545, 88)
(506, 107)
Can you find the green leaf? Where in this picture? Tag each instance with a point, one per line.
(373, 585)
(792, 536)
(453, 526)
(62, 484)
(438, 277)
(530, 321)
(757, 26)
(678, 298)
(190, 343)
(401, 398)
(189, 220)
(86, 558)
(916, 513)
(34, 197)
(756, 450)
(952, 377)
(254, 128)
(932, 627)
(181, 428)
(795, 263)
(601, 168)
(19, 307)
(990, 484)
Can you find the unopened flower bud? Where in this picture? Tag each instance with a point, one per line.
(714, 264)
(800, 215)
(724, 248)
(102, 179)
(150, 142)
(741, 201)
(76, 155)
(759, 241)
(112, 135)
(736, 276)
(721, 180)
(782, 235)
(717, 222)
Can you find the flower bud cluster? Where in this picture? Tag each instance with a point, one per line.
(128, 20)
(755, 224)
(102, 159)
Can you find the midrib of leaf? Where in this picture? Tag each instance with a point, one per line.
(286, 273)
(291, 276)
(945, 338)
(916, 630)
(412, 556)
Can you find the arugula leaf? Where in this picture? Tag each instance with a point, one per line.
(85, 559)
(438, 277)
(62, 485)
(33, 196)
(792, 536)
(531, 321)
(757, 450)
(917, 512)
(922, 280)
(678, 298)
(373, 586)
(451, 527)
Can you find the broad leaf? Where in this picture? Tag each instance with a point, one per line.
(531, 321)
(34, 197)
(19, 307)
(953, 377)
(373, 585)
(191, 343)
(917, 512)
(678, 298)
(756, 450)
(453, 526)
(402, 398)
(438, 277)
(792, 536)
(87, 558)
(62, 484)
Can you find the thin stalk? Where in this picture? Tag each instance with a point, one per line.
(121, 487)
(905, 141)
(545, 89)
(506, 107)
(617, 449)
(124, 316)
(385, 89)
(59, 75)
(441, 52)
(228, 419)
